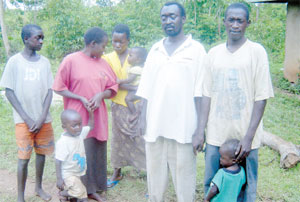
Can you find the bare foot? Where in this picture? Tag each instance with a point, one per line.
(96, 197)
(43, 195)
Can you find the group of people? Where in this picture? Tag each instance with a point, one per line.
(165, 106)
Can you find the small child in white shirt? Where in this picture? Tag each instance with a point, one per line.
(137, 57)
(70, 156)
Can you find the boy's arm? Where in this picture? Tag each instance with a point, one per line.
(91, 122)
(244, 147)
(212, 192)
(59, 180)
(46, 105)
(12, 98)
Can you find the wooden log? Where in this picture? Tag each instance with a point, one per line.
(289, 153)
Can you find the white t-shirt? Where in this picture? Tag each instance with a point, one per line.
(70, 150)
(234, 81)
(30, 82)
(168, 84)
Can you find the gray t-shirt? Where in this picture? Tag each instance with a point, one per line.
(30, 82)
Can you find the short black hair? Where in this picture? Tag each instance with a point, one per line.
(230, 146)
(122, 28)
(238, 5)
(94, 34)
(142, 53)
(66, 115)
(27, 31)
(180, 6)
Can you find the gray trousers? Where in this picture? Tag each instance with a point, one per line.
(164, 156)
(212, 165)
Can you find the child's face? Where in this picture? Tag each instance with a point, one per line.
(119, 42)
(133, 57)
(225, 159)
(74, 126)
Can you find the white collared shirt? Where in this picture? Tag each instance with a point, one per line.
(168, 83)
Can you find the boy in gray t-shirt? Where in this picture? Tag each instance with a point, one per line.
(27, 80)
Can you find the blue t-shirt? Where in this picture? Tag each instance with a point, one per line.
(229, 184)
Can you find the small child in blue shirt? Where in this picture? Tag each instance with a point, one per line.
(227, 183)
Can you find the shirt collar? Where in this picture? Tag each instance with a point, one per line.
(160, 45)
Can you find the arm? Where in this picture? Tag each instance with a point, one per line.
(91, 122)
(95, 101)
(142, 120)
(212, 193)
(202, 107)
(46, 105)
(59, 180)
(244, 147)
(69, 94)
(12, 98)
(128, 87)
(130, 79)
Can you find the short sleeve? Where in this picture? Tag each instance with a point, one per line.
(8, 77)
(61, 151)
(218, 179)
(136, 70)
(62, 78)
(200, 74)
(111, 83)
(262, 79)
(145, 85)
(50, 76)
(206, 87)
(85, 131)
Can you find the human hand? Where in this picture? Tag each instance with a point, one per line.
(60, 184)
(85, 102)
(243, 149)
(30, 124)
(198, 140)
(37, 126)
(95, 101)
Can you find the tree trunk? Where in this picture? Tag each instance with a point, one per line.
(290, 153)
(3, 30)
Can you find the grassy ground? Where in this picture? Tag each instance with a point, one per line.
(275, 184)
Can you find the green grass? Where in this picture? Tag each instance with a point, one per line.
(282, 117)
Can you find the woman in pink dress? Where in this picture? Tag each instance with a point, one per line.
(84, 80)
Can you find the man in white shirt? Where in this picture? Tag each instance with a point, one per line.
(235, 90)
(167, 85)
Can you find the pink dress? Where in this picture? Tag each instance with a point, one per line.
(86, 76)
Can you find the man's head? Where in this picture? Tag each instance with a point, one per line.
(236, 21)
(137, 56)
(32, 36)
(71, 121)
(227, 152)
(96, 39)
(172, 16)
(120, 38)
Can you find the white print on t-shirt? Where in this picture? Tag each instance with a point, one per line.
(80, 161)
(32, 74)
(231, 99)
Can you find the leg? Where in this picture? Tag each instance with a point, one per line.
(251, 174)
(129, 99)
(115, 177)
(22, 176)
(39, 168)
(182, 164)
(157, 169)
(212, 164)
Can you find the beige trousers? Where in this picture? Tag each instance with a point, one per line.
(164, 155)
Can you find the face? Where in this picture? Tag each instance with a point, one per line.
(225, 159)
(99, 48)
(171, 20)
(119, 42)
(133, 57)
(73, 125)
(35, 41)
(236, 23)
